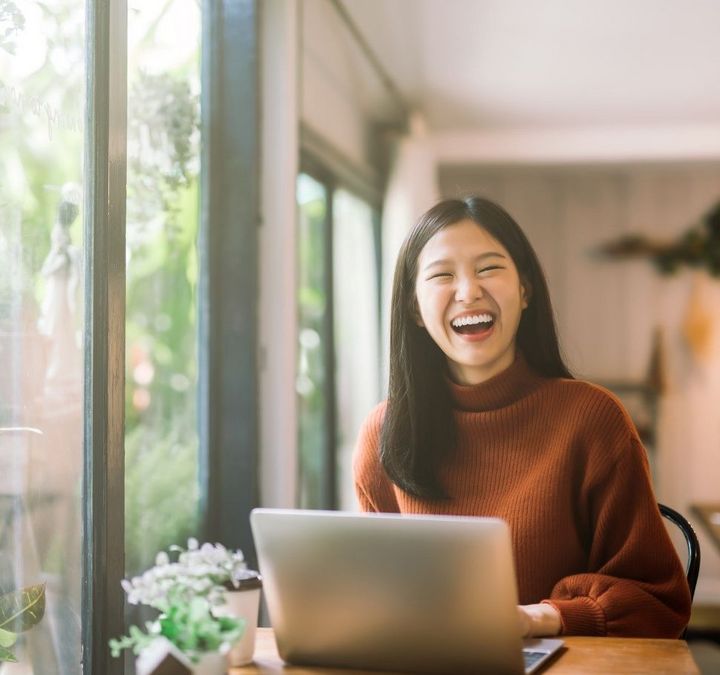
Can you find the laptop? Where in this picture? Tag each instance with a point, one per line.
(420, 594)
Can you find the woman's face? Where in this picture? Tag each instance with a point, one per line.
(470, 300)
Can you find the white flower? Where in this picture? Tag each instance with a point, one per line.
(199, 572)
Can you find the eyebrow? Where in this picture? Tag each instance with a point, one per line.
(481, 257)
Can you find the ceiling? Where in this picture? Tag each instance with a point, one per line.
(501, 64)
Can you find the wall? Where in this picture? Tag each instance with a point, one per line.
(607, 310)
(277, 327)
(316, 89)
(336, 83)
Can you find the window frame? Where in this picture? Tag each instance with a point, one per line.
(228, 287)
(104, 336)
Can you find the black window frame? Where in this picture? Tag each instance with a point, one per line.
(229, 274)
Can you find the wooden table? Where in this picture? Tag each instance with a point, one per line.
(582, 656)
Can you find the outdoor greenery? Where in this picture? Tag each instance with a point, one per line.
(42, 81)
(41, 156)
(38, 116)
(161, 443)
(310, 384)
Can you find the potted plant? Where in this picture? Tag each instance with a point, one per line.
(20, 610)
(188, 593)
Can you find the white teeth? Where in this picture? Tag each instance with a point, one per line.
(471, 320)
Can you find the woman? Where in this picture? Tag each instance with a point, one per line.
(483, 418)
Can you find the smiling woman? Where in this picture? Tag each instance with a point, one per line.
(484, 419)
(445, 250)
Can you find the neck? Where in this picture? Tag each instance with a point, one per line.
(469, 376)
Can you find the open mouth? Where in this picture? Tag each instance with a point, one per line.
(474, 324)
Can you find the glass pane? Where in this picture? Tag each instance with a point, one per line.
(42, 101)
(311, 376)
(357, 347)
(161, 438)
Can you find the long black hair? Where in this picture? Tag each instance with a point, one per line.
(419, 429)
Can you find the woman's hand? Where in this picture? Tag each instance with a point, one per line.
(541, 620)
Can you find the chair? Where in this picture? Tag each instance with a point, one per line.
(692, 567)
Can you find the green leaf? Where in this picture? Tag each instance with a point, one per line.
(7, 655)
(7, 639)
(22, 609)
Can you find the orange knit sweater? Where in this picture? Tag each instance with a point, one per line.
(562, 463)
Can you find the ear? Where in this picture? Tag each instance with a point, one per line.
(525, 294)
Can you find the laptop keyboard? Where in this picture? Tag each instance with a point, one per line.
(531, 658)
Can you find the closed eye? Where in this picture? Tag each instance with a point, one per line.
(440, 275)
(490, 268)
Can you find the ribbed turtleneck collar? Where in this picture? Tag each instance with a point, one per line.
(512, 384)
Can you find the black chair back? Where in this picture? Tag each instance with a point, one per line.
(692, 567)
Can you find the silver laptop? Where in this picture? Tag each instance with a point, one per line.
(423, 594)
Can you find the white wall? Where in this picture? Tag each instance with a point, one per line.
(607, 310)
(334, 82)
(579, 144)
(278, 295)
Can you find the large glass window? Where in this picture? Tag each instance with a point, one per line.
(54, 214)
(338, 332)
(313, 432)
(42, 100)
(161, 439)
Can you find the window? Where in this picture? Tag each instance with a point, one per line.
(338, 334)
(315, 433)
(42, 95)
(83, 246)
(161, 429)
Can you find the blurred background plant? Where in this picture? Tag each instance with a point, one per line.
(697, 247)
(161, 440)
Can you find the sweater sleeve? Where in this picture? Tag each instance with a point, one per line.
(635, 584)
(373, 488)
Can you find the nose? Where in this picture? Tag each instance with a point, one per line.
(468, 289)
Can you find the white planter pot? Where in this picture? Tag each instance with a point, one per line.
(243, 603)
